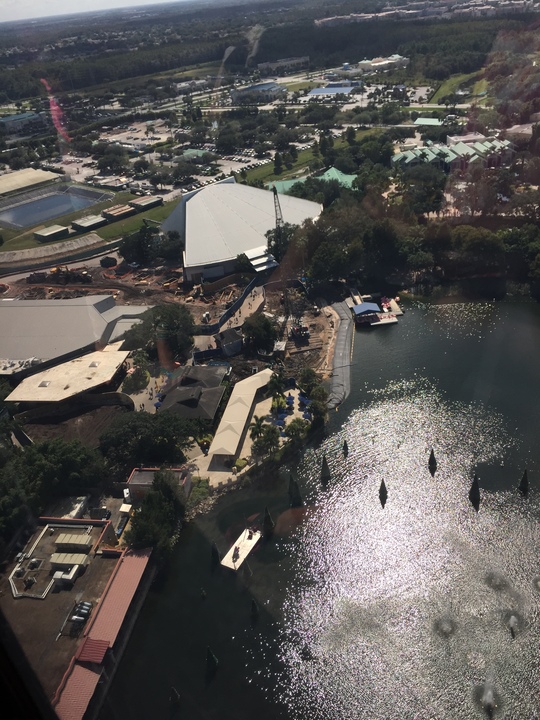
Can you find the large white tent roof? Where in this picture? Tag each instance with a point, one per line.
(227, 219)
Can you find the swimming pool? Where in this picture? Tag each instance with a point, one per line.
(48, 207)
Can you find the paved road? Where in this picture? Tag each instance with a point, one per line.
(341, 374)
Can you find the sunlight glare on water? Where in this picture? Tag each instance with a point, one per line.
(404, 612)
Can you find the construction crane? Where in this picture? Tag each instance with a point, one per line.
(278, 235)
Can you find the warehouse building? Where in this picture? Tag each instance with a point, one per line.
(26, 121)
(27, 179)
(53, 232)
(226, 219)
(90, 222)
(262, 92)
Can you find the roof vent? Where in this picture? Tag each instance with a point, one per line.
(94, 363)
(44, 383)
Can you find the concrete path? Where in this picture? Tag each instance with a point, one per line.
(341, 374)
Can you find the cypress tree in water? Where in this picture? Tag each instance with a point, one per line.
(432, 463)
(268, 524)
(216, 555)
(524, 484)
(211, 662)
(325, 472)
(383, 493)
(294, 493)
(254, 608)
(474, 493)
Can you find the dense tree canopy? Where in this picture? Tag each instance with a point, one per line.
(167, 329)
(259, 332)
(137, 439)
(155, 523)
(41, 473)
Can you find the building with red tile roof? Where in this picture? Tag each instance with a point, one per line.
(75, 696)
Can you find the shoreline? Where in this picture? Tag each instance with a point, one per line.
(341, 361)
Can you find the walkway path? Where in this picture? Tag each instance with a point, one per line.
(341, 375)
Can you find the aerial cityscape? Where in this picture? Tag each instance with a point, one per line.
(269, 328)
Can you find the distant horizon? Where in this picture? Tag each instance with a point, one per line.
(17, 10)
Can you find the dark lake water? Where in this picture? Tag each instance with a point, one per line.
(46, 208)
(368, 613)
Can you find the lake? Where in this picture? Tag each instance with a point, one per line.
(367, 612)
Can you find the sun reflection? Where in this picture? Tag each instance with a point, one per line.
(403, 611)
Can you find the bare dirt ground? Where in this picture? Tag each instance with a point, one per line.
(87, 427)
(153, 286)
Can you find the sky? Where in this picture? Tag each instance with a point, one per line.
(24, 9)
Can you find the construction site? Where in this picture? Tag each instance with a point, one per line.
(305, 330)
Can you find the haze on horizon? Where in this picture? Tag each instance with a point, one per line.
(31, 9)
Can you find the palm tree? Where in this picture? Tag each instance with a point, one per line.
(276, 384)
(256, 427)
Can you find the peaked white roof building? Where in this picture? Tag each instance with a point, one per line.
(226, 219)
(232, 427)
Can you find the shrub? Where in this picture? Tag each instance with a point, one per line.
(200, 490)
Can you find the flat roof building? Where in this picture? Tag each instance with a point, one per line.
(146, 202)
(141, 480)
(90, 222)
(71, 378)
(265, 92)
(330, 91)
(118, 212)
(53, 232)
(226, 219)
(19, 180)
(283, 65)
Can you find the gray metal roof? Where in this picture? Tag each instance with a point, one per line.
(225, 220)
(49, 329)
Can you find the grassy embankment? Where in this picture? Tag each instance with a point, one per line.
(474, 81)
(24, 239)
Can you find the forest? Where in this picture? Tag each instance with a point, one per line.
(436, 49)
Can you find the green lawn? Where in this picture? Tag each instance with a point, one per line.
(452, 84)
(130, 224)
(302, 85)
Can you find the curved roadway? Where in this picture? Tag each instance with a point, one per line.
(341, 374)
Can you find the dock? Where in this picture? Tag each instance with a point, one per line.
(366, 312)
(384, 319)
(394, 308)
(241, 548)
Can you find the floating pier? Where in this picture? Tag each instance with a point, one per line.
(241, 548)
(366, 312)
